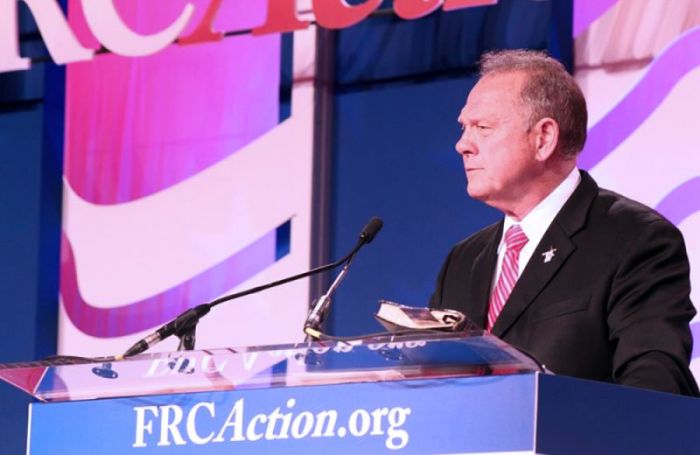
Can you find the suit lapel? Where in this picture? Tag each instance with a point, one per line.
(570, 219)
(482, 274)
(535, 277)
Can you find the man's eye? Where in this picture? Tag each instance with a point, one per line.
(482, 127)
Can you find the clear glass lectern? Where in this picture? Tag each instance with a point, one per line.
(387, 358)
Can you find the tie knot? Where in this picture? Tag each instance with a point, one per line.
(515, 238)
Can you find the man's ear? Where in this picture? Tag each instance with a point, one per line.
(546, 138)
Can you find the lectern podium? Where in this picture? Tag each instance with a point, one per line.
(441, 393)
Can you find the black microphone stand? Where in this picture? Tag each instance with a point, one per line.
(184, 326)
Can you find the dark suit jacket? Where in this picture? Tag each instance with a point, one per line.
(612, 304)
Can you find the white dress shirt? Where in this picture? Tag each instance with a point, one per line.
(536, 223)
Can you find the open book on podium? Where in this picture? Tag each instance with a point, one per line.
(461, 392)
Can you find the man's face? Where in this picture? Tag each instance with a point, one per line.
(498, 150)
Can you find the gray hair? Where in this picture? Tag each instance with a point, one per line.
(549, 91)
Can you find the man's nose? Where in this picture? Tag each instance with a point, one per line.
(465, 146)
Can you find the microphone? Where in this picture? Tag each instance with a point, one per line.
(315, 317)
(179, 326)
(188, 320)
(370, 230)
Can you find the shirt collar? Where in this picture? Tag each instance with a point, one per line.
(538, 220)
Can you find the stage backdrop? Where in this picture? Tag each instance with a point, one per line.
(638, 63)
(187, 176)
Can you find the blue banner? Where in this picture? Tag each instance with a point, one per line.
(428, 416)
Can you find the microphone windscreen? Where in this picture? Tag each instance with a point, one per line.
(370, 231)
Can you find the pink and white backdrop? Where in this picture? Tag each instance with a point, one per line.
(638, 63)
(182, 184)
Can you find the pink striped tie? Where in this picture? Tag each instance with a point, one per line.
(515, 241)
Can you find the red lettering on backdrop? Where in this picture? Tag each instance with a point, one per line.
(338, 14)
(414, 9)
(204, 32)
(458, 4)
(105, 23)
(281, 17)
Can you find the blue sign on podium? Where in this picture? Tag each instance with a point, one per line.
(435, 394)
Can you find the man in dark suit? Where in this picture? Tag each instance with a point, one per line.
(593, 284)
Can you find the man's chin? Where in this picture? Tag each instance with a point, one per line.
(474, 193)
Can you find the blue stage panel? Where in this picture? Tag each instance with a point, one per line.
(427, 416)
